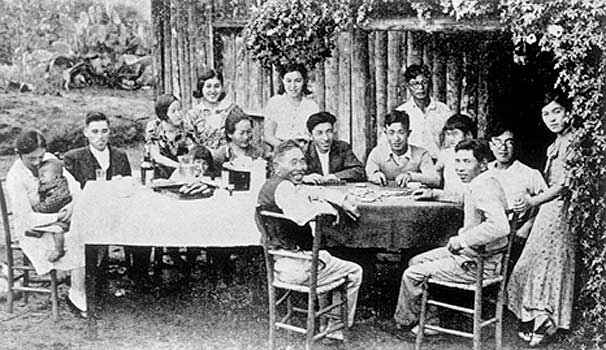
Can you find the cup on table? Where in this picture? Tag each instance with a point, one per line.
(100, 175)
(224, 178)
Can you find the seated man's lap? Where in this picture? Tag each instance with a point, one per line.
(439, 263)
(295, 270)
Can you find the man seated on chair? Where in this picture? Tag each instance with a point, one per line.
(285, 193)
(485, 223)
(329, 160)
(516, 179)
(399, 161)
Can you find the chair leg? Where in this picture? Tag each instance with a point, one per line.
(311, 321)
(477, 320)
(10, 279)
(25, 279)
(499, 325)
(345, 315)
(54, 296)
(422, 316)
(272, 316)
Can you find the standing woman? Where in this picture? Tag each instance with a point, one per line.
(540, 290)
(207, 118)
(166, 136)
(287, 112)
(22, 187)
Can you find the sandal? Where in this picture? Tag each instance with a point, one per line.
(542, 333)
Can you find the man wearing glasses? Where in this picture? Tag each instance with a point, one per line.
(427, 116)
(517, 180)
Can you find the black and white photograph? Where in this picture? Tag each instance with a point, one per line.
(302, 174)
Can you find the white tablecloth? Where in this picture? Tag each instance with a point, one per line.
(122, 212)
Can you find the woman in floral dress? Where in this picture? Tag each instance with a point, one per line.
(207, 118)
(540, 290)
(167, 137)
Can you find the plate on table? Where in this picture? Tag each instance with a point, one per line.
(175, 190)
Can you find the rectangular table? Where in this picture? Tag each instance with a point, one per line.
(122, 212)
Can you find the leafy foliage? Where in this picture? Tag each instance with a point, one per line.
(297, 31)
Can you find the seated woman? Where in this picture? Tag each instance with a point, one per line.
(238, 131)
(22, 182)
(166, 136)
(207, 118)
(286, 114)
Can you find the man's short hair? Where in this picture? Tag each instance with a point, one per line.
(461, 122)
(498, 128)
(414, 70)
(53, 165)
(284, 147)
(397, 117)
(95, 117)
(479, 148)
(319, 118)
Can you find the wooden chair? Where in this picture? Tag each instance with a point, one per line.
(269, 222)
(23, 272)
(478, 287)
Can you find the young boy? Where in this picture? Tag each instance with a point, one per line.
(457, 128)
(53, 195)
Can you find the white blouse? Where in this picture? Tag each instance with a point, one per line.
(291, 120)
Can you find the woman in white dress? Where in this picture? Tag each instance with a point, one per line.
(287, 112)
(22, 187)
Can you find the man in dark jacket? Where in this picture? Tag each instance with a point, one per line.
(84, 162)
(329, 160)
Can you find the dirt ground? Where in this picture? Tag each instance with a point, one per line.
(175, 312)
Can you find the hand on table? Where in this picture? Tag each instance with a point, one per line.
(421, 194)
(351, 208)
(378, 178)
(317, 179)
(402, 179)
(195, 187)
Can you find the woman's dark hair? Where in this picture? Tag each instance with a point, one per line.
(162, 104)
(235, 115)
(294, 67)
(397, 117)
(201, 152)
(209, 74)
(29, 141)
(461, 122)
(478, 147)
(557, 96)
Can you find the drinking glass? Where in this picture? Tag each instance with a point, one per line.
(100, 174)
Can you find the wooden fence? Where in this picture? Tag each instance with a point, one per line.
(361, 81)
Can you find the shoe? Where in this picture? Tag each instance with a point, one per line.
(525, 336)
(543, 333)
(427, 332)
(75, 310)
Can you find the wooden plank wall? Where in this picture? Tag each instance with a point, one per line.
(359, 84)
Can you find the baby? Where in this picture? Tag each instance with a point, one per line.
(53, 195)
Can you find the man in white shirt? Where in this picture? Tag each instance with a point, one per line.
(286, 193)
(84, 162)
(427, 116)
(516, 179)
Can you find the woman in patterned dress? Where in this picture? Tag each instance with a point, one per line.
(287, 112)
(207, 118)
(540, 290)
(167, 137)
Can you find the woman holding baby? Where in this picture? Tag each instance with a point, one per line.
(23, 184)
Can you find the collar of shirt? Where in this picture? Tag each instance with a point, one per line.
(101, 156)
(324, 161)
(431, 106)
(391, 155)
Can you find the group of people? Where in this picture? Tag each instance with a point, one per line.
(423, 142)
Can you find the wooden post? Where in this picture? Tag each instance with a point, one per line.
(239, 60)
(181, 54)
(393, 69)
(360, 95)
(483, 93)
(372, 86)
(319, 90)
(156, 14)
(344, 127)
(439, 70)
(453, 77)
(415, 48)
(229, 62)
(174, 52)
(166, 36)
(331, 84)
(192, 39)
(381, 67)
